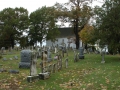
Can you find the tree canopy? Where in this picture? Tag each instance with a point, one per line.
(107, 24)
(43, 25)
(15, 23)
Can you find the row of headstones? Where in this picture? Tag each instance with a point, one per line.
(12, 58)
(45, 70)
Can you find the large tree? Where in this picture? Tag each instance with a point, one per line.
(107, 24)
(75, 12)
(15, 23)
(43, 25)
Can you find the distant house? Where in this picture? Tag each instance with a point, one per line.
(66, 36)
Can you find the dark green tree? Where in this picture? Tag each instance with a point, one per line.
(43, 25)
(107, 26)
(15, 23)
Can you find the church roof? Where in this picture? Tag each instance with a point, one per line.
(66, 32)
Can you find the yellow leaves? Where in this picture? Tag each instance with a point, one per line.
(85, 33)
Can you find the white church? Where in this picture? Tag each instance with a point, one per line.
(66, 36)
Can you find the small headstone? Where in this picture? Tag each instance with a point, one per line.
(14, 71)
(66, 63)
(54, 68)
(4, 58)
(15, 57)
(49, 58)
(81, 54)
(10, 58)
(44, 76)
(103, 56)
(3, 70)
(25, 59)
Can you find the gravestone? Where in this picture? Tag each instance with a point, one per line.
(49, 58)
(54, 67)
(4, 58)
(56, 50)
(103, 56)
(25, 59)
(66, 63)
(15, 57)
(76, 58)
(3, 50)
(44, 60)
(33, 70)
(81, 53)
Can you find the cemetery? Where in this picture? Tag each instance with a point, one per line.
(39, 51)
(66, 72)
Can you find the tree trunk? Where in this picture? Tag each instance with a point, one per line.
(76, 33)
(12, 42)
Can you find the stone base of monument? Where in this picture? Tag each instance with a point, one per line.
(44, 76)
(32, 78)
(81, 57)
(24, 65)
(102, 61)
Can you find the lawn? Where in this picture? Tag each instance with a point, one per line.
(86, 74)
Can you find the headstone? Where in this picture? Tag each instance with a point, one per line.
(103, 56)
(3, 50)
(15, 57)
(54, 68)
(4, 58)
(50, 68)
(66, 63)
(25, 59)
(41, 66)
(33, 70)
(44, 76)
(44, 60)
(10, 58)
(14, 71)
(49, 58)
(56, 50)
(81, 54)
(75, 56)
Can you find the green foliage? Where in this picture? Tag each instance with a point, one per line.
(15, 23)
(42, 25)
(107, 24)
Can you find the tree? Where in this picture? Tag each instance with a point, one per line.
(43, 25)
(86, 34)
(77, 13)
(15, 23)
(107, 24)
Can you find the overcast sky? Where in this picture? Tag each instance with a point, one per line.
(30, 5)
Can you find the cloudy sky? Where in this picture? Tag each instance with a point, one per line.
(30, 5)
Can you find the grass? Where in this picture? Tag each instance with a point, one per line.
(87, 74)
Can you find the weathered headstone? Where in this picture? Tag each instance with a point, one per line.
(25, 59)
(75, 56)
(15, 57)
(33, 70)
(49, 58)
(103, 56)
(66, 63)
(4, 58)
(81, 54)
